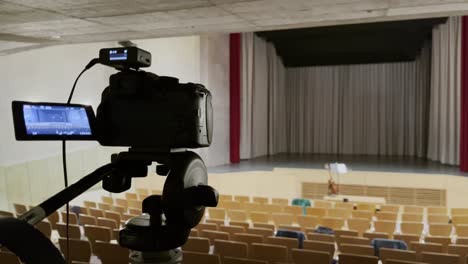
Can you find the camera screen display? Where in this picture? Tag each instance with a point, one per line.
(56, 120)
(116, 55)
(53, 121)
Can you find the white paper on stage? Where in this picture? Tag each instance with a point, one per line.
(339, 168)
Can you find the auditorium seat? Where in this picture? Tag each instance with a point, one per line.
(97, 233)
(107, 200)
(304, 256)
(307, 221)
(53, 219)
(9, 258)
(407, 238)
(396, 254)
(249, 239)
(73, 231)
(134, 203)
(444, 241)
(234, 249)
(280, 201)
(385, 227)
(96, 212)
(194, 233)
(357, 249)
(460, 219)
(86, 220)
(72, 219)
(263, 225)
(365, 207)
(259, 217)
(217, 222)
(413, 209)
(290, 227)
(362, 214)
(289, 243)
(237, 215)
(407, 217)
(292, 209)
(323, 204)
(232, 205)
(411, 228)
(461, 250)
(217, 213)
(80, 249)
(321, 237)
(320, 246)
(272, 208)
(229, 260)
(440, 229)
(332, 222)
(212, 235)
(439, 258)
(346, 206)
(339, 233)
(197, 244)
(282, 219)
(338, 213)
(200, 227)
(225, 197)
(121, 202)
(119, 209)
(387, 216)
(134, 211)
(264, 232)
(239, 223)
(260, 200)
(104, 206)
(361, 225)
(317, 212)
(425, 247)
(131, 196)
(142, 191)
(437, 210)
(438, 219)
(6, 214)
(45, 228)
(271, 253)
(107, 222)
(126, 217)
(357, 259)
(353, 240)
(241, 198)
(390, 208)
(459, 211)
(375, 235)
(90, 204)
(114, 216)
(231, 229)
(110, 253)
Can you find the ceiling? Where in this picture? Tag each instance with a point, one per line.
(26, 24)
(352, 44)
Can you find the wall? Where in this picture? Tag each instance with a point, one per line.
(32, 171)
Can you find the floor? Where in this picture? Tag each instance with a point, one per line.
(353, 162)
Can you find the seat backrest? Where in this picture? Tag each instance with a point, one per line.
(323, 204)
(111, 253)
(375, 235)
(321, 237)
(385, 226)
(438, 210)
(259, 217)
(212, 235)
(351, 233)
(460, 250)
(200, 227)
(131, 196)
(90, 204)
(197, 258)
(215, 221)
(346, 258)
(413, 209)
(304, 256)
(438, 219)
(362, 214)
(316, 211)
(332, 222)
(239, 223)
(72, 219)
(343, 205)
(282, 218)
(80, 249)
(280, 201)
(225, 197)
(438, 258)
(97, 233)
(45, 228)
(444, 241)
(87, 220)
(20, 208)
(459, 211)
(242, 198)
(264, 225)
(361, 225)
(320, 246)
(397, 254)
(107, 200)
(9, 258)
(230, 260)
(96, 212)
(121, 202)
(237, 215)
(107, 222)
(247, 238)
(408, 217)
(197, 244)
(260, 200)
(294, 209)
(414, 228)
(114, 216)
(233, 205)
(231, 249)
(390, 208)
(407, 238)
(388, 216)
(461, 230)
(217, 213)
(73, 231)
(440, 229)
(270, 253)
(425, 247)
(290, 243)
(259, 231)
(366, 207)
(353, 240)
(357, 249)
(290, 228)
(104, 206)
(307, 221)
(232, 229)
(337, 212)
(460, 219)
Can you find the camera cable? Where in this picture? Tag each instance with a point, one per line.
(64, 158)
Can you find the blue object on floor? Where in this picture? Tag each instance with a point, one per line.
(292, 234)
(379, 243)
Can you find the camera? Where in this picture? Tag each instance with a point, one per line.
(158, 118)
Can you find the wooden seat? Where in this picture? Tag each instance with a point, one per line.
(96, 212)
(142, 191)
(395, 261)
(387, 216)
(134, 204)
(229, 260)
(321, 237)
(237, 215)
(121, 202)
(104, 206)
(438, 219)
(293, 209)
(87, 220)
(345, 258)
(282, 219)
(225, 197)
(114, 216)
(304, 256)
(346, 206)
(460, 219)
(217, 213)
(323, 204)
(272, 208)
(366, 207)
(73, 231)
(438, 258)
(270, 253)
(134, 211)
(361, 225)
(260, 200)
(53, 219)
(437, 210)
(72, 219)
(90, 204)
(80, 249)
(362, 214)
(232, 229)
(259, 231)
(338, 213)
(320, 246)
(396, 254)
(107, 222)
(201, 227)
(353, 240)
(460, 250)
(440, 229)
(230, 249)
(407, 238)
(289, 243)
(332, 222)
(97, 233)
(459, 211)
(212, 235)
(317, 212)
(444, 241)
(263, 225)
(357, 249)
(414, 228)
(9, 258)
(197, 244)
(233, 205)
(131, 196)
(107, 200)
(307, 221)
(351, 233)
(461, 230)
(241, 198)
(239, 223)
(406, 217)
(390, 208)
(375, 235)
(110, 253)
(413, 209)
(289, 227)
(259, 217)
(425, 247)
(280, 201)
(249, 239)
(385, 227)
(217, 222)
(45, 228)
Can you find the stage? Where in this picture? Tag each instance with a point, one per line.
(354, 163)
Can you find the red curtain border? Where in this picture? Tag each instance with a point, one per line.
(234, 96)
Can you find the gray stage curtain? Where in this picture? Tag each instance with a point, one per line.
(263, 113)
(444, 122)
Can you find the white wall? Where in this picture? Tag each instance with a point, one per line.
(32, 171)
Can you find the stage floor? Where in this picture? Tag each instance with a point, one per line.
(354, 162)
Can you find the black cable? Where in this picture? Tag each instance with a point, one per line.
(64, 156)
